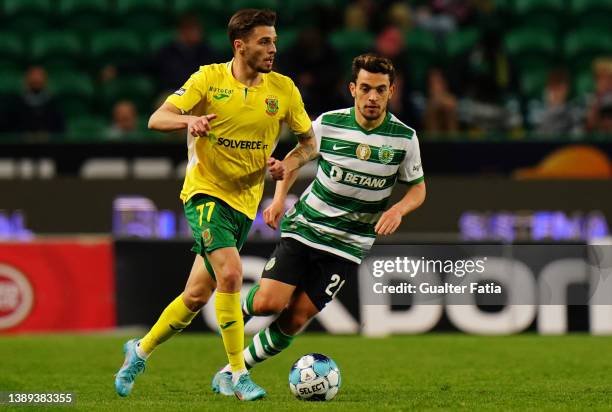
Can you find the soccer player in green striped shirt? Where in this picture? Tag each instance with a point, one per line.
(363, 152)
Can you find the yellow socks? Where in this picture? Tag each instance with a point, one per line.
(229, 317)
(173, 319)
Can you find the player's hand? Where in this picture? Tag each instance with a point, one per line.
(277, 168)
(388, 222)
(273, 213)
(200, 126)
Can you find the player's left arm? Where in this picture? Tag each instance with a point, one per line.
(410, 171)
(392, 218)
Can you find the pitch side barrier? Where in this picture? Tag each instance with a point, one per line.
(405, 289)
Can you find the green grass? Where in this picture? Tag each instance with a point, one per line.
(430, 372)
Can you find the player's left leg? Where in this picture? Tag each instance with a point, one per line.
(325, 274)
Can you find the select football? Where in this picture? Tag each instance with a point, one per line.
(314, 377)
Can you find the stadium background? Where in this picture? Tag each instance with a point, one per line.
(512, 101)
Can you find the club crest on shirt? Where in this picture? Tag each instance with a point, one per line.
(363, 151)
(385, 154)
(271, 105)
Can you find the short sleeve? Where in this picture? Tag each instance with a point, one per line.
(191, 93)
(410, 170)
(297, 119)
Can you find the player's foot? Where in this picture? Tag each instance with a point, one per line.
(222, 383)
(247, 390)
(133, 366)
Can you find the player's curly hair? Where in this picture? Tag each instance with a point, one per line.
(245, 20)
(373, 63)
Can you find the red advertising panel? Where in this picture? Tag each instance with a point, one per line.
(57, 285)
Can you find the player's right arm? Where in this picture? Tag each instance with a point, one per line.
(172, 114)
(169, 117)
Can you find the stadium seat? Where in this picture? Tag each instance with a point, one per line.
(286, 39)
(584, 83)
(12, 51)
(115, 47)
(533, 82)
(530, 47)
(85, 16)
(56, 49)
(421, 43)
(144, 16)
(233, 5)
(14, 8)
(139, 89)
(160, 38)
(86, 127)
(212, 13)
(593, 13)
(548, 14)
(219, 42)
(585, 44)
(461, 42)
(11, 83)
(74, 92)
(27, 16)
(350, 43)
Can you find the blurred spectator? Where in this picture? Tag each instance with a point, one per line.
(405, 104)
(599, 112)
(555, 116)
(488, 82)
(174, 62)
(314, 67)
(441, 110)
(355, 18)
(400, 16)
(390, 44)
(36, 111)
(125, 120)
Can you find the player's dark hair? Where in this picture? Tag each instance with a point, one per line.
(245, 20)
(373, 63)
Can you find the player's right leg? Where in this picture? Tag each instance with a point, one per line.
(176, 317)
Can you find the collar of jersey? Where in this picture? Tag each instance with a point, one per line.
(384, 122)
(228, 67)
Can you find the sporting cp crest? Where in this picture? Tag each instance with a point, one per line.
(385, 154)
(363, 151)
(272, 105)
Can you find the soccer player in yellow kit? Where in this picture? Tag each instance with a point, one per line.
(232, 113)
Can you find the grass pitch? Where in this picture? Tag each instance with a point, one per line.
(429, 372)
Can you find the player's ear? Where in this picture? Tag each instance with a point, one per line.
(391, 90)
(239, 46)
(352, 88)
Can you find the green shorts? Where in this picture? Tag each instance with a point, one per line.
(215, 225)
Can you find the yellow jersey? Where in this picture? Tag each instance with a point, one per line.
(230, 163)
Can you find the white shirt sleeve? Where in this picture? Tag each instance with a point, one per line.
(410, 170)
(317, 128)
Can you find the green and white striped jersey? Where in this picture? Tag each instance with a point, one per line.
(355, 176)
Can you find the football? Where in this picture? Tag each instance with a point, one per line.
(314, 377)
